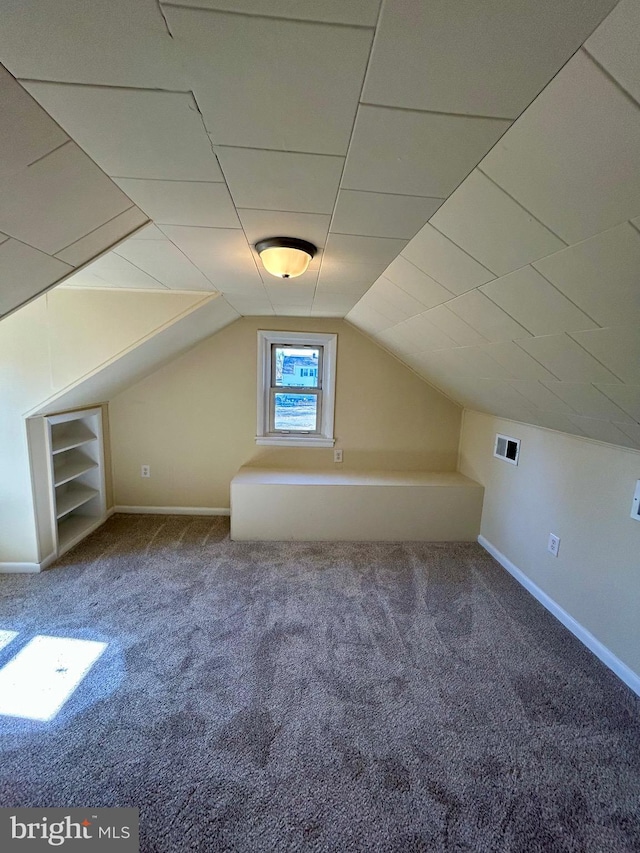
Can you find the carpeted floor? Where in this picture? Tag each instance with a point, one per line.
(320, 697)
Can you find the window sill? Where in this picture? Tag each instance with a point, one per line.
(295, 440)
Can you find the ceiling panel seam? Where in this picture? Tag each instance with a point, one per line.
(275, 210)
(315, 212)
(428, 274)
(504, 311)
(52, 151)
(464, 251)
(522, 207)
(110, 288)
(187, 258)
(541, 408)
(346, 154)
(620, 405)
(595, 357)
(610, 76)
(557, 289)
(166, 181)
(243, 14)
(366, 237)
(226, 183)
(279, 150)
(36, 249)
(164, 18)
(119, 88)
(526, 401)
(435, 112)
(455, 296)
(497, 276)
(163, 286)
(97, 228)
(404, 195)
(617, 405)
(544, 366)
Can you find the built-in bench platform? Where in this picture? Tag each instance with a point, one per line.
(385, 506)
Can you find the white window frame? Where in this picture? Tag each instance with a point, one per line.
(326, 394)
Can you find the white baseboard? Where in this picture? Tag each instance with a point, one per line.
(19, 568)
(44, 564)
(174, 510)
(624, 673)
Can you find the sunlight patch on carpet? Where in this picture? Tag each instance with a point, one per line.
(37, 682)
(6, 637)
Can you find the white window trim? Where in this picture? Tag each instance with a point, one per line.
(324, 438)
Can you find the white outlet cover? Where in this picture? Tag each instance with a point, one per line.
(553, 545)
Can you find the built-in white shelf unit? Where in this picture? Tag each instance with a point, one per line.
(67, 464)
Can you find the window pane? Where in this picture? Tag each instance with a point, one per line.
(295, 412)
(296, 367)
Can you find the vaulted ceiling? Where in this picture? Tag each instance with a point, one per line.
(470, 173)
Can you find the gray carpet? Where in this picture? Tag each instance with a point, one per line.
(320, 697)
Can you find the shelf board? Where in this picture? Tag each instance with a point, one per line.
(73, 529)
(74, 497)
(74, 435)
(73, 469)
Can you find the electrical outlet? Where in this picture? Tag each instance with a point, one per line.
(145, 471)
(337, 455)
(554, 544)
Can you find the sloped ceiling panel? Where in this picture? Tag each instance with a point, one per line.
(358, 126)
(57, 208)
(521, 296)
(346, 124)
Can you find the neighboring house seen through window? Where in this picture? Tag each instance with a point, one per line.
(296, 388)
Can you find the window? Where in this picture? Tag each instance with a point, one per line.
(296, 388)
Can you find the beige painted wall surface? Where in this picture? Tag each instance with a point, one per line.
(46, 345)
(580, 490)
(194, 420)
(90, 326)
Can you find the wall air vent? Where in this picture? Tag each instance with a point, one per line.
(635, 506)
(507, 448)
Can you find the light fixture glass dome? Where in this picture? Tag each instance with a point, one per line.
(285, 257)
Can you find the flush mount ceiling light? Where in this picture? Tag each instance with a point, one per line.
(285, 257)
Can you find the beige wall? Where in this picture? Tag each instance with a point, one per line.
(194, 421)
(49, 344)
(581, 490)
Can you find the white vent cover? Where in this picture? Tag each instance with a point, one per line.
(507, 448)
(635, 506)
